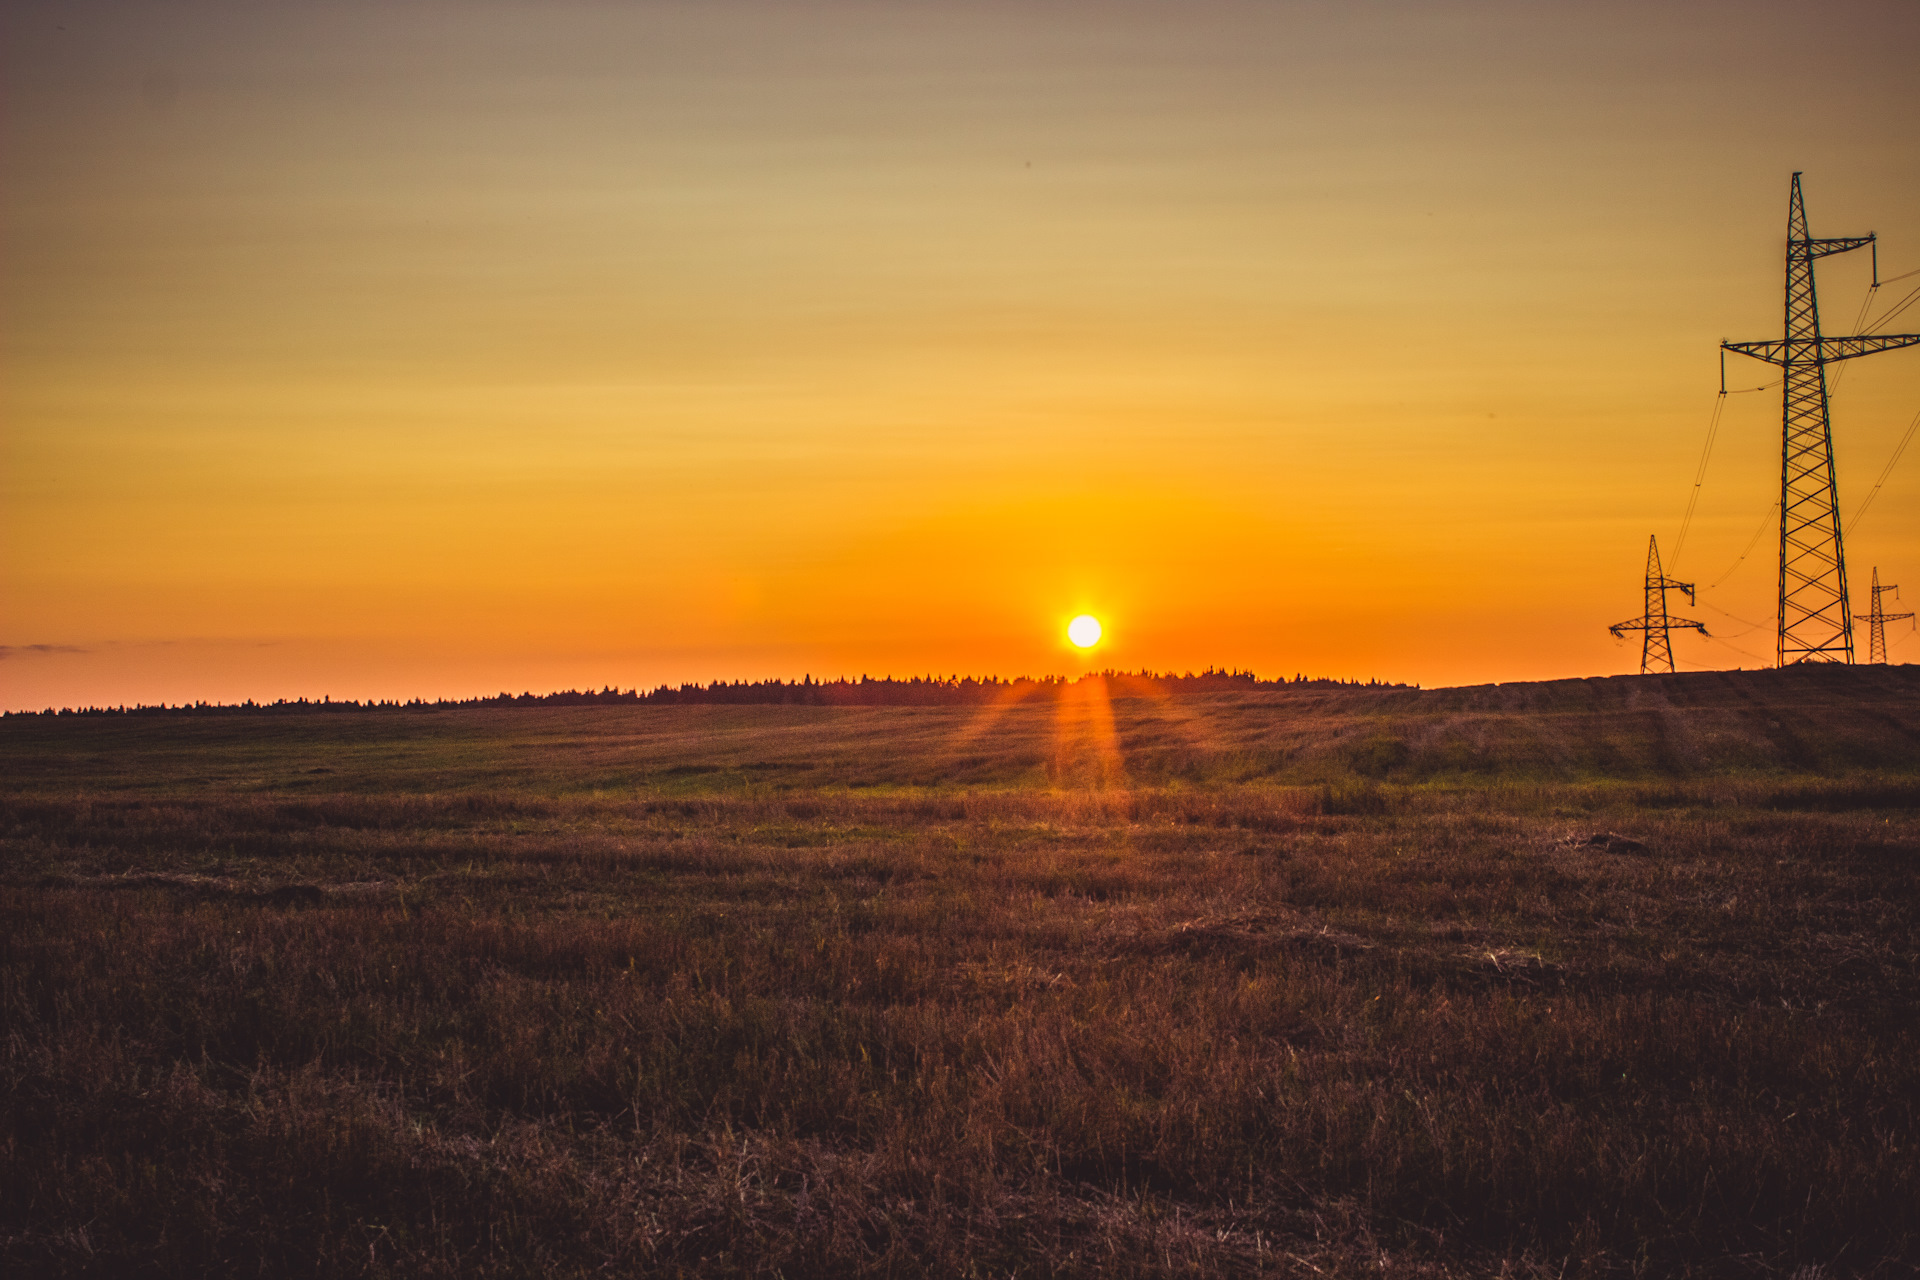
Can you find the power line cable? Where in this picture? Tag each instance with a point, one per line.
(1699, 477)
(1737, 618)
(1866, 305)
(1706, 455)
(1885, 471)
(1752, 542)
(1737, 649)
(1895, 310)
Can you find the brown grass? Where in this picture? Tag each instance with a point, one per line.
(713, 1022)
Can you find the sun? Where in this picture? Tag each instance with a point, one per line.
(1084, 631)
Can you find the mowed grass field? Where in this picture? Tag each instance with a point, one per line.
(1611, 977)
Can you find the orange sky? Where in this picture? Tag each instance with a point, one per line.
(435, 349)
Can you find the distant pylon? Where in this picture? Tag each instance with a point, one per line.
(1656, 645)
(1877, 619)
(1814, 623)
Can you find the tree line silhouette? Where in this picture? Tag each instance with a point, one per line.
(888, 691)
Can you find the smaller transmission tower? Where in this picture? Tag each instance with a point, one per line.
(1877, 619)
(1656, 648)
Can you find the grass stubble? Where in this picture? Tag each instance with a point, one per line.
(367, 999)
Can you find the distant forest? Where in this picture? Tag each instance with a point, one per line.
(917, 691)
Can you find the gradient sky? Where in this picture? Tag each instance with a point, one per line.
(431, 349)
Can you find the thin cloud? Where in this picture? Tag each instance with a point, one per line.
(38, 650)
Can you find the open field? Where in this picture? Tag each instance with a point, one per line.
(1585, 978)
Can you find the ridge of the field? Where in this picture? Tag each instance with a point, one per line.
(1801, 720)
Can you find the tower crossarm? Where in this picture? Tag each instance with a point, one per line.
(1674, 584)
(1821, 350)
(1879, 613)
(1832, 244)
(1644, 623)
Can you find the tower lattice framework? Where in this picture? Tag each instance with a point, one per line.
(1815, 625)
(1877, 619)
(1656, 624)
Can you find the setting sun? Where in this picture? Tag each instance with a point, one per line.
(1084, 631)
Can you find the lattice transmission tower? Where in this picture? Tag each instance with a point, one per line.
(1877, 619)
(1656, 644)
(1814, 623)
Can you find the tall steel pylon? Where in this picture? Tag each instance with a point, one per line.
(1877, 619)
(1656, 644)
(1814, 623)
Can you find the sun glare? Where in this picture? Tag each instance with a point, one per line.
(1084, 631)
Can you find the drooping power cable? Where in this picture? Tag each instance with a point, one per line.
(1885, 471)
(1752, 542)
(1699, 476)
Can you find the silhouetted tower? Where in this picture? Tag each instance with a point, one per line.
(1814, 623)
(1877, 619)
(1656, 646)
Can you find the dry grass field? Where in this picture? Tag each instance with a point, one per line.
(1611, 977)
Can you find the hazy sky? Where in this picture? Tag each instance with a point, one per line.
(433, 348)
